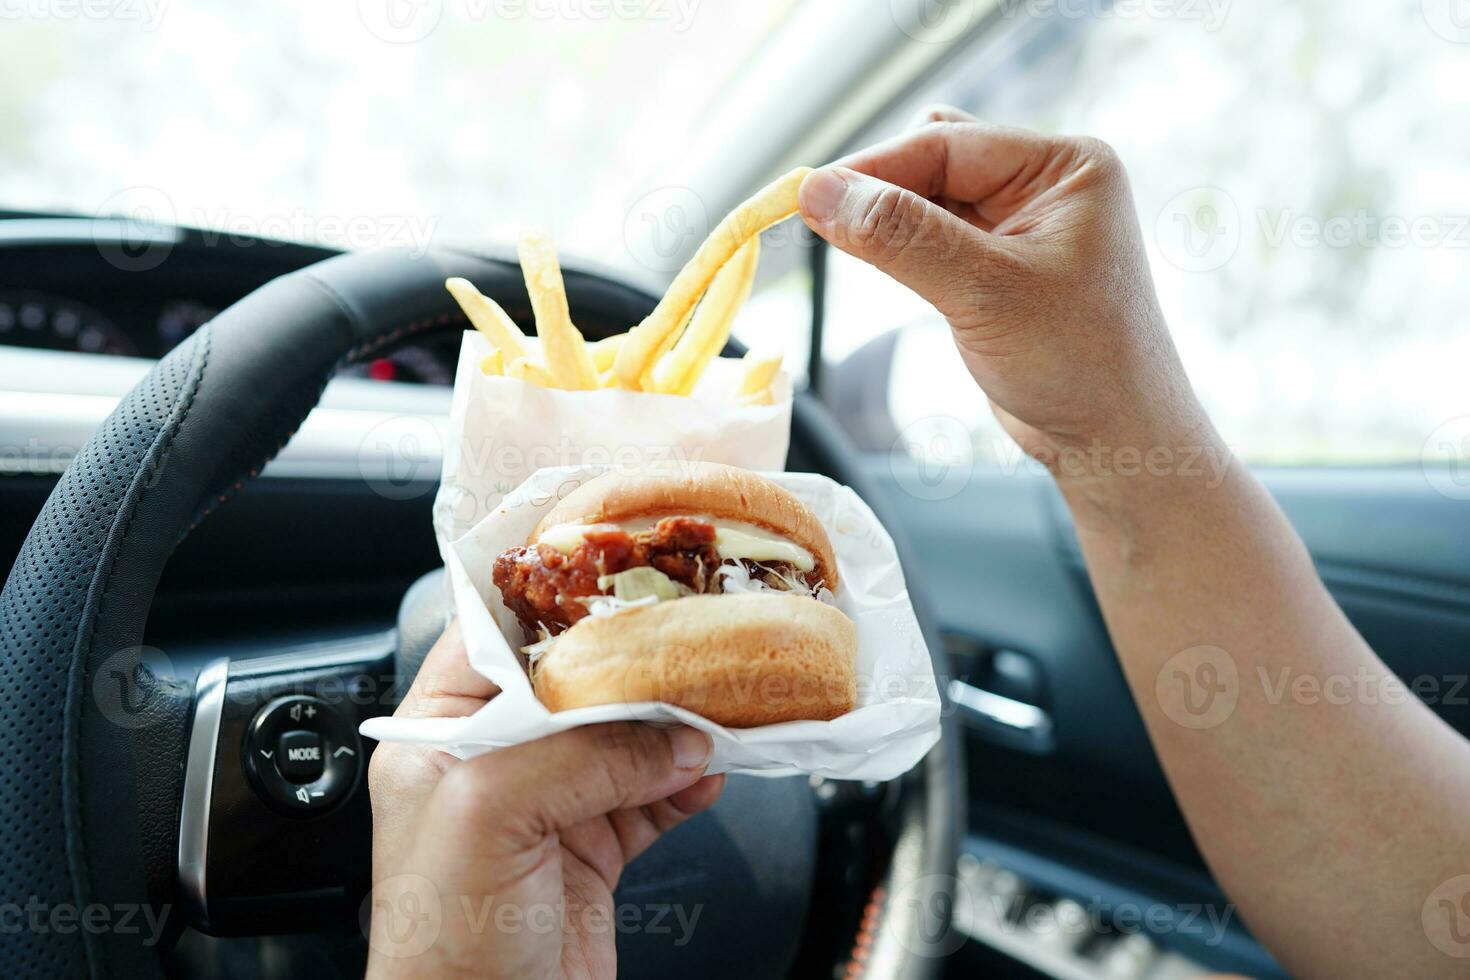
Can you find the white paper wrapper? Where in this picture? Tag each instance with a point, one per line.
(502, 430)
(897, 718)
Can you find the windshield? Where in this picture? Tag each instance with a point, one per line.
(367, 123)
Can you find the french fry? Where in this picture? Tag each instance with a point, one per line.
(645, 380)
(603, 351)
(494, 364)
(488, 318)
(775, 202)
(701, 343)
(566, 352)
(528, 370)
(760, 371)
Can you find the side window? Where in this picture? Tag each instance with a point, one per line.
(1304, 194)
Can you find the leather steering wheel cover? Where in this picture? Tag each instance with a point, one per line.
(89, 797)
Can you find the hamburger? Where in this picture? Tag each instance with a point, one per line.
(697, 584)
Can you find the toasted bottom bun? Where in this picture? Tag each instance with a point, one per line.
(738, 660)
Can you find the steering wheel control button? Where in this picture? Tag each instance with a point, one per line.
(301, 755)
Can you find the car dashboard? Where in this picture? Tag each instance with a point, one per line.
(323, 546)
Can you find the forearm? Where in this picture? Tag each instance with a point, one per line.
(1286, 740)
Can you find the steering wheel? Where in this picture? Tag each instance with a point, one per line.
(100, 748)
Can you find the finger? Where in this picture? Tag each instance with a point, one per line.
(919, 243)
(966, 161)
(942, 113)
(446, 686)
(637, 828)
(521, 794)
(607, 845)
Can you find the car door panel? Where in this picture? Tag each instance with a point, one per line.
(1001, 566)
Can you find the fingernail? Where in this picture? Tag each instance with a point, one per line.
(821, 193)
(692, 748)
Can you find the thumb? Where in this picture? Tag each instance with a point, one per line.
(915, 241)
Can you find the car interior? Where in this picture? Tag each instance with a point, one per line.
(221, 446)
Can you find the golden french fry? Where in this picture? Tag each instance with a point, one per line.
(775, 202)
(562, 345)
(607, 379)
(488, 318)
(494, 364)
(760, 371)
(528, 370)
(603, 351)
(645, 380)
(701, 343)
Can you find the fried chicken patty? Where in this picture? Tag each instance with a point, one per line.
(546, 588)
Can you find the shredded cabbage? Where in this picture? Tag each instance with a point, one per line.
(643, 582)
(602, 606)
(735, 577)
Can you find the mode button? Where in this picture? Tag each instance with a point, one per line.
(299, 756)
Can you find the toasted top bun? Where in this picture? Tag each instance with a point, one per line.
(697, 489)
